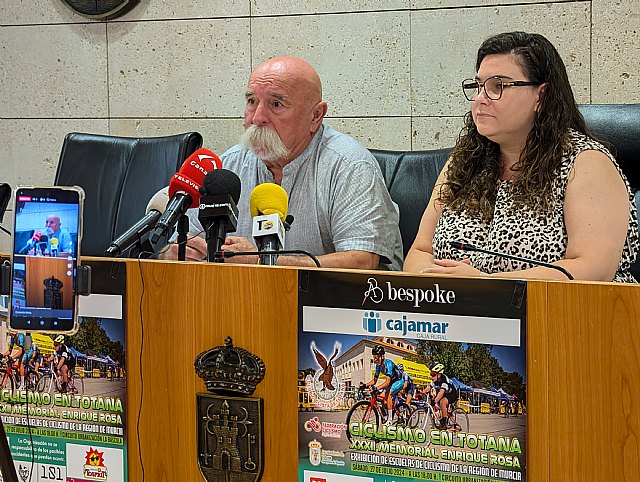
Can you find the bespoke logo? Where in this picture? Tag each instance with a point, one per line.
(374, 292)
(415, 296)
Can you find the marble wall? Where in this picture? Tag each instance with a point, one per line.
(391, 69)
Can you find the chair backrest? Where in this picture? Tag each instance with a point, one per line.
(618, 125)
(410, 176)
(119, 175)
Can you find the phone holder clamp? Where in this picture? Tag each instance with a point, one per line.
(83, 283)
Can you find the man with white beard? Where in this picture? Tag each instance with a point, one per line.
(55, 231)
(343, 212)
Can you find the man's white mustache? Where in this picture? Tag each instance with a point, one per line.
(264, 142)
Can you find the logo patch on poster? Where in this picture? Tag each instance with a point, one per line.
(94, 468)
(315, 453)
(413, 295)
(374, 292)
(371, 322)
(313, 424)
(23, 473)
(325, 388)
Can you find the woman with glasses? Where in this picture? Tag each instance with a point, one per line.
(527, 178)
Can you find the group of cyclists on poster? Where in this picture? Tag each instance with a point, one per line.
(397, 381)
(62, 361)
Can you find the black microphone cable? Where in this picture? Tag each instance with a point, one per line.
(470, 247)
(140, 361)
(290, 252)
(142, 283)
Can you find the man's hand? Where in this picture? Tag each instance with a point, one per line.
(239, 244)
(196, 250)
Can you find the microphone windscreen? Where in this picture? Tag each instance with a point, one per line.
(44, 238)
(159, 201)
(54, 243)
(181, 183)
(269, 198)
(220, 182)
(194, 169)
(37, 235)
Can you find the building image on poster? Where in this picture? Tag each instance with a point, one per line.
(71, 429)
(349, 432)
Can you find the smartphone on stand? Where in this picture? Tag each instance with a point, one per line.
(45, 258)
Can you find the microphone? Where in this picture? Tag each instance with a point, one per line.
(269, 204)
(133, 235)
(31, 243)
(53, 242)
(5, 196)
(217, 211)
(44, 240)
(183, 191)
(470, 247)
(288, 221)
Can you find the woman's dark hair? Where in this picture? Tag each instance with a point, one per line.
(475, 167)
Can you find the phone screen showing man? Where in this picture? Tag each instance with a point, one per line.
(45, 256)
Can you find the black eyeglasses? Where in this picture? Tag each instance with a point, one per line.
(493, 87)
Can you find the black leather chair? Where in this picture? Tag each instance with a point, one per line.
(619, 126)
(411, 175)
(119, 175)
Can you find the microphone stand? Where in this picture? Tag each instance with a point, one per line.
(291, 252)
(213, 248)
(183, 230)
(218, 215)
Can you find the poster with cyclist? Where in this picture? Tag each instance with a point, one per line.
(65, 418)
(411, 378)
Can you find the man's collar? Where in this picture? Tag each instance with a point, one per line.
(308, 151)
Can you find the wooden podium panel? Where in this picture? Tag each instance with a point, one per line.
(186, 309)
(593, 380)
(583, 369)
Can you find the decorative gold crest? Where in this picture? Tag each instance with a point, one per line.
(230, 427)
